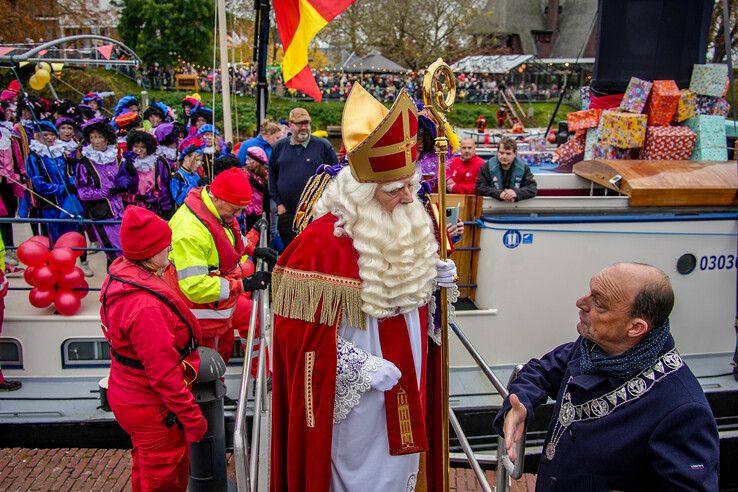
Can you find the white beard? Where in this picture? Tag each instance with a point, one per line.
(397, 251)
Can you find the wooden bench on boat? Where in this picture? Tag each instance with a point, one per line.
(666, 183)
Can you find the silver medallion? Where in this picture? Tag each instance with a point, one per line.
(566, 414)
(550, 451)
(636, 386)
(600, 407)
(673, 360)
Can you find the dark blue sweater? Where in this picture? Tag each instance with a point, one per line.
(290, 167)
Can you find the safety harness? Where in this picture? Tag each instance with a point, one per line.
(190, 347)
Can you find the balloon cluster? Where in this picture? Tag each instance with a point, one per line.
(52, 272)
(42, 76)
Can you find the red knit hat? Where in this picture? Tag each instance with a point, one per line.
(232, 186)
(143, 233)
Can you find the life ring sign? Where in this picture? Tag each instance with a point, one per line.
(514, 238)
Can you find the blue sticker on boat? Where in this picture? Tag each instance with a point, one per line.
(512, 238)
(528, 238)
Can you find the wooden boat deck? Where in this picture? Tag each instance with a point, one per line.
(80, 469)
(666, 183)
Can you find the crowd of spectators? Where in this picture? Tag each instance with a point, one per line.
(335, 85)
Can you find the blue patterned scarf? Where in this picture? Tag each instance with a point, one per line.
(626, 365)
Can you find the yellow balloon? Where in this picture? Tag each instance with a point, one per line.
(42, 76)
(43, 66)
(35, 83)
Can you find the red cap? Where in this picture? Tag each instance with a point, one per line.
(143, 233)
(232, 186)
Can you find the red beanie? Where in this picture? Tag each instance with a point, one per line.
(143, 233)
(232, 186)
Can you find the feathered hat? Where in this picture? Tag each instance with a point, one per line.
(124, 103)
(101, 125)
(93, 96)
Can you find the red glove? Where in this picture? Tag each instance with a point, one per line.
(196, 433)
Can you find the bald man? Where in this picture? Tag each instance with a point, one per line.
(629, 413)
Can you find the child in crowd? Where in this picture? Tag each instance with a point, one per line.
(186, 177)
(257, 171)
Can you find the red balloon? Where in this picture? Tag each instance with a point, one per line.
(81, 294)
(66, 302)
(33, 253)
(247, 268)
(62, 259)
(28, 276)
(72, 240)
(41, 240)
(44, 277)
(41, 298)
(71, 279)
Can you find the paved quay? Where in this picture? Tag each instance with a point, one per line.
(84, 469)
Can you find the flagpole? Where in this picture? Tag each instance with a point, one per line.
(224, 76)
(439, 92)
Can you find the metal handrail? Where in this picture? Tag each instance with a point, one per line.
(508, 468)
(481, 478)
(247, 459)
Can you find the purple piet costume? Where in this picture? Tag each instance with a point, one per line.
(145, 179)
(96, 173)
(146, 183)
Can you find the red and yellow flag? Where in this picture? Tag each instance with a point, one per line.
(298, 21)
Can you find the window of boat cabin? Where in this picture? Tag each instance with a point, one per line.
(95, 352)
(85, 352)
(11, 353)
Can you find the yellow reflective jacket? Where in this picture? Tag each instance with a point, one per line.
(194, 255)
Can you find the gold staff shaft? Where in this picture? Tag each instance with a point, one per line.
(439, 92)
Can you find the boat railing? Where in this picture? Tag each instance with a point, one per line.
(506, 469)
(249, 456)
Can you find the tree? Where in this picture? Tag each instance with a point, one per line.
(159, 30)
(27, 21)
(717, 29)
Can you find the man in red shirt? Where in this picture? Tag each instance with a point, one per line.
(463, 169)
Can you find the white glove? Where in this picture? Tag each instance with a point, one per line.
(386, 375)
(446, 273)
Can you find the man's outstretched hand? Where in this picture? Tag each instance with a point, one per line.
(514, 426)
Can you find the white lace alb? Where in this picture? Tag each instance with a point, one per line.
(353, 378)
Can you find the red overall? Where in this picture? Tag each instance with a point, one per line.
(141, 327)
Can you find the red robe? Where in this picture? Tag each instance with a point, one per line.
(316, 284)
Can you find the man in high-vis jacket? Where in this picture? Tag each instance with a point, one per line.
(210, 259)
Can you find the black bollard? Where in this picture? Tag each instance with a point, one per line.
(208, 457)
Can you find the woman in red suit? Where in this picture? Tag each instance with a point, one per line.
(153, 337)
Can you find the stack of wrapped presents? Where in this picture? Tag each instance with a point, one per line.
(536, 154)
(657, 121)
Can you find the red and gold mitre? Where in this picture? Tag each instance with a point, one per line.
(380, 143)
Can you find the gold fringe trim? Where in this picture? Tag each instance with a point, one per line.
(297, 294)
